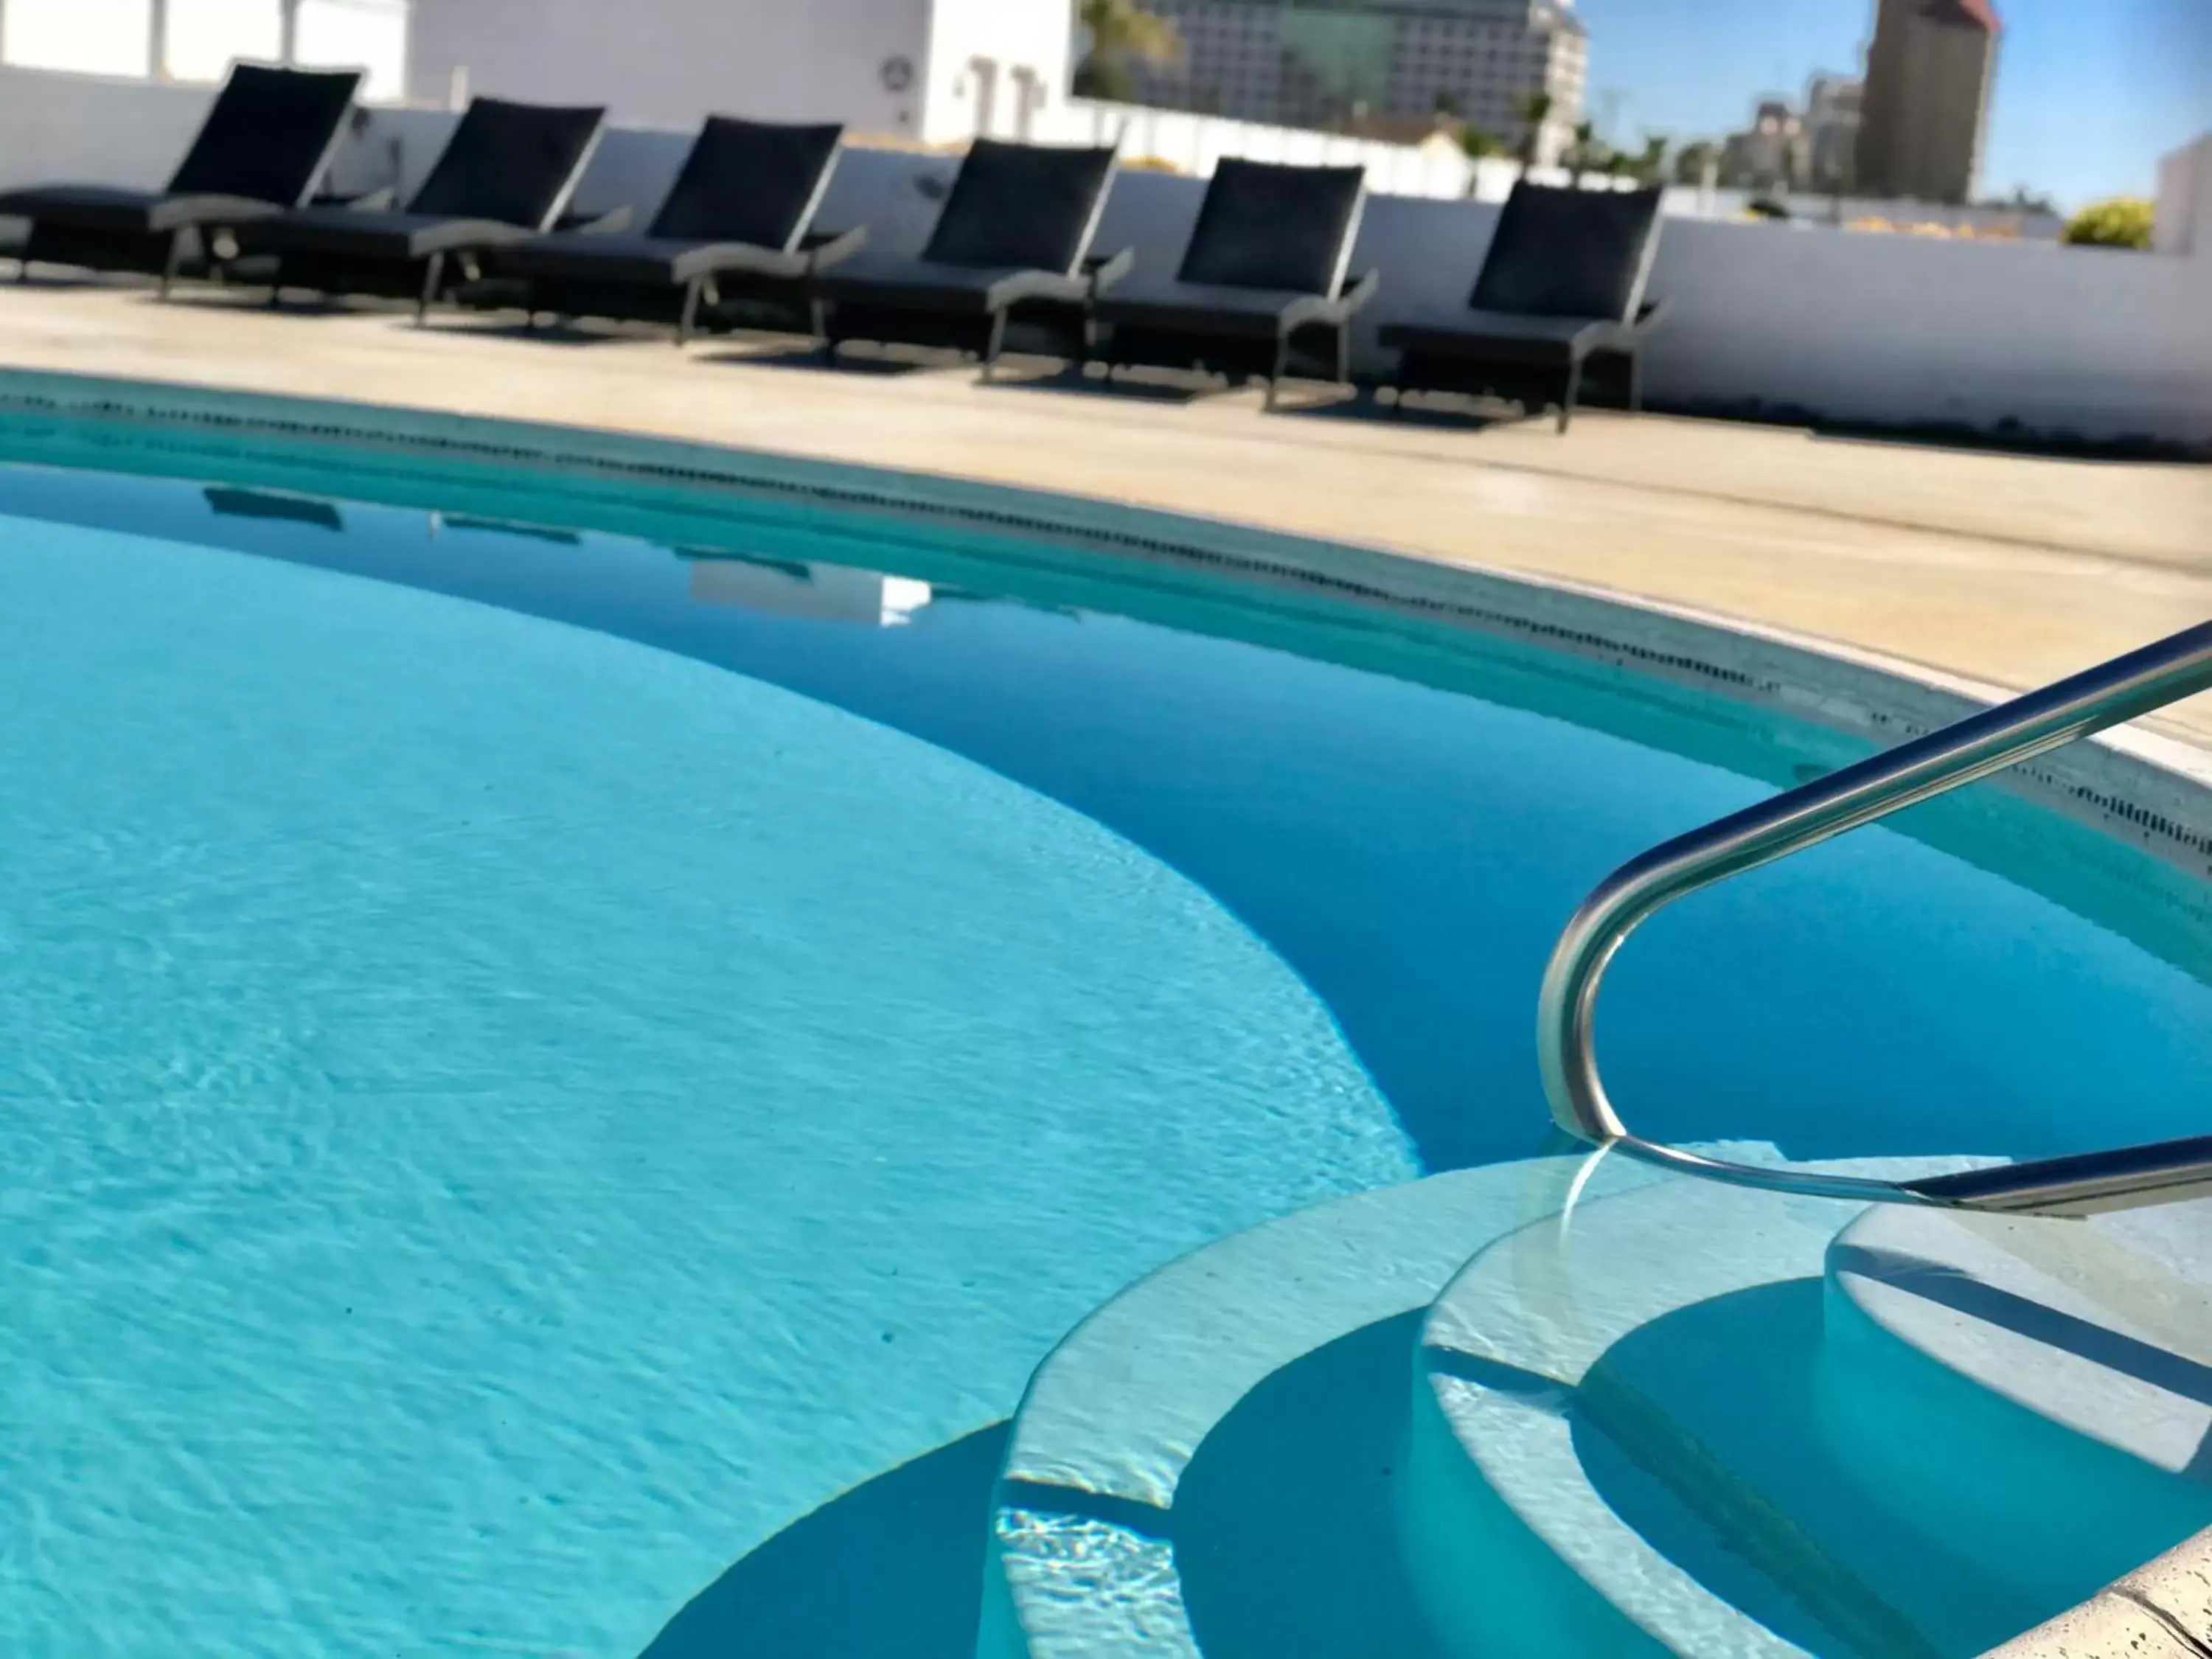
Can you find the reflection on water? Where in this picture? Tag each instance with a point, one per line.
(265, 504)
(793, 587)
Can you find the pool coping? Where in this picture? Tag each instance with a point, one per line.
(2149, 790)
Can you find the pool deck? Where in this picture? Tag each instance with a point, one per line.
(2004, 569)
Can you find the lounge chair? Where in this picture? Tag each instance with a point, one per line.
(1262, 289)
(735, 235)
(267, 140)
(504, 176)
(1007, 264)
(1564, 282)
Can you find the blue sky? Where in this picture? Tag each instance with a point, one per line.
(2090, 93)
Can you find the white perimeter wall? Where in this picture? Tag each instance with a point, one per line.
(1798, 323)
(673, 63)
(1195, 142)
(2185, 202)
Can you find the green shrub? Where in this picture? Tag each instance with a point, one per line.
(2123, 222)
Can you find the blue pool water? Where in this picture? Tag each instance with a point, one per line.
(530, 1062)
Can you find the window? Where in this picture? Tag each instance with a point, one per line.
(97, 37)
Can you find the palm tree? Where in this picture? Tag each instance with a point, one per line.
(1121, 34)
(1651, 166)
(1535, 109)
(1588, 155)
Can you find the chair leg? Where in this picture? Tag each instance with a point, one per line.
(1636, 380)
(992, 344)
(1573, 391)
(689, 319)
(1275, 374)
(176, 257)
(431, 277)
(1344, 354)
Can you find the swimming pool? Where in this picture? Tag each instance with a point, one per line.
(545, 1042)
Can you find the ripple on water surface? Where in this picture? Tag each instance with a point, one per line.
(500, 1119)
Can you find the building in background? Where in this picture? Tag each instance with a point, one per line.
(929, 70)
(192, 41)
(1772, 156)
(1344, 63)
(1930, 74)
(1833, 106)
(1786, 150)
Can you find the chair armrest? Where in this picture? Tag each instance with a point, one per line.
(1102, 273)
(823, 249)
(1361, 291)
(367, 200)
(597, 224)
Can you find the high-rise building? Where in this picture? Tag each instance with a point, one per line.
(1833, 108)
(1332, 63)
(1929, 73)
(1772, 153)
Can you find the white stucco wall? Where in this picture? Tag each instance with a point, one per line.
(101, 129)
(673, 63)
(1194, 144)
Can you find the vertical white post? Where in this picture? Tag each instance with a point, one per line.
(157, 38)
(287, 33)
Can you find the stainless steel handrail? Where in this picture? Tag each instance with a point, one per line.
(2107, 696)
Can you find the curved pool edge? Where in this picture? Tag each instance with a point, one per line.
(2148, 790)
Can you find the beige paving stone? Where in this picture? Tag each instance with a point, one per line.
(2109, 1628)
(2179, 1584)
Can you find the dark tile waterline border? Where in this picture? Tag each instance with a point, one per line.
(2148, 792)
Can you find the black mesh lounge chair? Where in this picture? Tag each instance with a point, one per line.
(267, 139)
(1563, 281)
(734, 234)
(1008, 264)
(504, 177)
(1262, 289)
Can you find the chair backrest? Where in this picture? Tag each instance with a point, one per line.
(514, 163)
(268, 135)
(753, 182)
(1262, 225)
(1022, 207)
(1559, 251)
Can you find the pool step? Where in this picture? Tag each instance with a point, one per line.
(1666, 1409)
(2068, 1358)
(1646, 1416)
(1145, 1505)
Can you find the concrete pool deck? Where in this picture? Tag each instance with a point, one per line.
(2002, 568)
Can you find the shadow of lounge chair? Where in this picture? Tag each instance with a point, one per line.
(1007, 264)
(268, 139)
(1262, 290)
(1564, 281)
(734, 237)
(504, 176)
